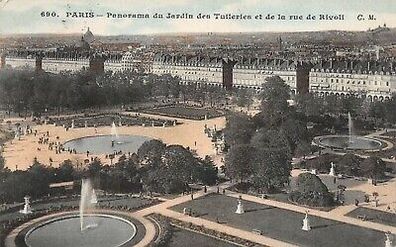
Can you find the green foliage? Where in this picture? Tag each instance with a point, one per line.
(271, 169)
(173, 167)
(311, 191)
(151, 150)
(275, 94)
(373, 167)
(239, 129)
(243, 98)
(23, 91)
(350, 164)
(2, 162)
(239, 161)
(308, 182)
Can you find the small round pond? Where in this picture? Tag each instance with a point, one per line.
(347, 142)
(106, 144)
(108, 231)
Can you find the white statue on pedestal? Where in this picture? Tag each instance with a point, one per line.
(314, 172)
(26, 208)
(306, 223)
(72, 124)
(332, 170)
(388, 241)
(240, 209)
(86, 124)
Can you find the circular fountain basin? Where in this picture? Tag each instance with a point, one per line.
(105, 231)
(344, 142)
(105, 144)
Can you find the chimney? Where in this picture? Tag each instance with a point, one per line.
(331, 63)
(351, 64)
(368, 66)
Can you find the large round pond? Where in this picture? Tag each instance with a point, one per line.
(105, 144)
(104, 231)
(347, 142)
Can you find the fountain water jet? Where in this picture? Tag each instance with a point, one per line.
(350, 141)
(86, 201)
(350, 127)
(114, 132)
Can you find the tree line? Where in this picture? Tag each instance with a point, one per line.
(261, 147)
(156, 167)
(24, 91)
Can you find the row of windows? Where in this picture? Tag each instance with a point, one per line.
(352, 82)
(189, 68)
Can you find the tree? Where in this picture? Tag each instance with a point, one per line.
(239, 161)
(65, 172)
(239, 129)
(296, 132)
(40, 178)
(302, 149)
(2, 163)
(271, 140)
(274, 96)
(151, 151)
(243, 98)
(311, 191)
(271, 169)
(350, 164)
(373, 167)
(206, 171)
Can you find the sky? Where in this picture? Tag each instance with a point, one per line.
(24, 16)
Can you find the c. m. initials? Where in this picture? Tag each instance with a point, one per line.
(371, 18)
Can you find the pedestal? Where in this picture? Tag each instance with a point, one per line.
(314, 172)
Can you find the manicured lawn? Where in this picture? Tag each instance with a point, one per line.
(182, 238)
(282, 224)
(386, 218)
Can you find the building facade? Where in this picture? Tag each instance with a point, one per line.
(252, 73)
(375, 80)
(239, 73)
(195, 69)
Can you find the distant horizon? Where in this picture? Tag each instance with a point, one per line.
(186, 33)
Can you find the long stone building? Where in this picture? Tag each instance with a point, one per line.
(375, 80)
(197, 69)
(239, 73)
